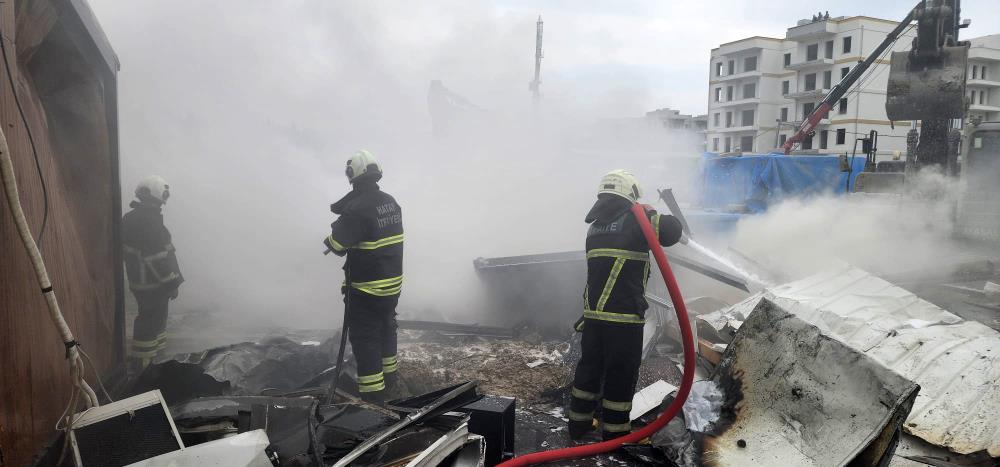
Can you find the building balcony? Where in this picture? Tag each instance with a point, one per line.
(811, 31)
(735, 129)
(983, 83)
(733, 103)
(794, 126)
(735, 76)
(810, 64)
(814, 94)
(984, 107)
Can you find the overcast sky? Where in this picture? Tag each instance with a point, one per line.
(618, 57)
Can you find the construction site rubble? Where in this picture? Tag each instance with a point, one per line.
(814, 282)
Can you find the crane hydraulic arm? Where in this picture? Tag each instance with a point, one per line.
(812, 120)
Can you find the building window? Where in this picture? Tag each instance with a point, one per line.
(972, 97)
(718, 69)
(788, 59)
(823, 139)
(715, 120)
(782, 139)
(807, 109)
(842, 109)
(828, 49)
(975, 71)
(731, 68)
(812, 52)
(844, 71)
(810, 82)
(715, 143)
(984, 97)
(729, 93)
(784, 87)
(784, 114)
(847, 44)
(982, 74)
(746, 143)
(749, 90)
(750, 64)
(748, 117)
(841, 135)
(729, 119)
(807, 142)
(729, 145)
(827, 79)
(718, 94)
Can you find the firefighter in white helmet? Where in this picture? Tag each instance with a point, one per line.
(369, 232)
(151, 264)
(618, 267)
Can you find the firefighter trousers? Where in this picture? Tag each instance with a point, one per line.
(606, 374)
(371, 324)
(149, 335)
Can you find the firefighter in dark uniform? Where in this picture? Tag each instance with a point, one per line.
(370, 232)
(151, 264)
(618, 268)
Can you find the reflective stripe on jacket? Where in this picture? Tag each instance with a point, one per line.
(370, 232)
(618, 261)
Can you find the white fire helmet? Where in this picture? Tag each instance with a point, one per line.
(153, 187)
(362, 163)
(622, 183)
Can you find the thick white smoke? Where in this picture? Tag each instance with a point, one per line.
(880, 233)
(249, 110)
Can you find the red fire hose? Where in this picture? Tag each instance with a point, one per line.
(682, 393)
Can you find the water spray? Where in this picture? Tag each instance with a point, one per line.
(667, 196)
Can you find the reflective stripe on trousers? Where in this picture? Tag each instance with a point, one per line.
(628, 318)
(381, 287)
(389, 364)
(371, 383)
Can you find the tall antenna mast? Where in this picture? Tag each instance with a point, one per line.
(534, 85)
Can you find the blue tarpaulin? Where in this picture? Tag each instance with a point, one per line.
(751, 183)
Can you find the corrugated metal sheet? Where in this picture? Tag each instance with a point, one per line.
(956, 363)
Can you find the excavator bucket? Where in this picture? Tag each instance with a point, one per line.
(928, 89)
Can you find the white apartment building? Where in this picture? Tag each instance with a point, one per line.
(674, 120)
(983, 85)
(761, 88)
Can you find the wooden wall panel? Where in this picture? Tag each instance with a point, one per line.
(71, 112)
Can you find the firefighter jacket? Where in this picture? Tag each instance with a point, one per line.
(618, 260)
(370, 232)
(150, 260)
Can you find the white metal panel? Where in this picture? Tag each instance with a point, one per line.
(956, 363)
(242, 450)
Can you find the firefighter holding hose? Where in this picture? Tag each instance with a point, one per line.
(369, 232)
(618, 267)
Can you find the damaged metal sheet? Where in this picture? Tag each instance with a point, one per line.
(245, 368)
(956, 363)
(958, 369)
(289, 422)
(442, 448)
(797, 396)
(243, 450)
(848, 302)
(473, 454)
(432, 407)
